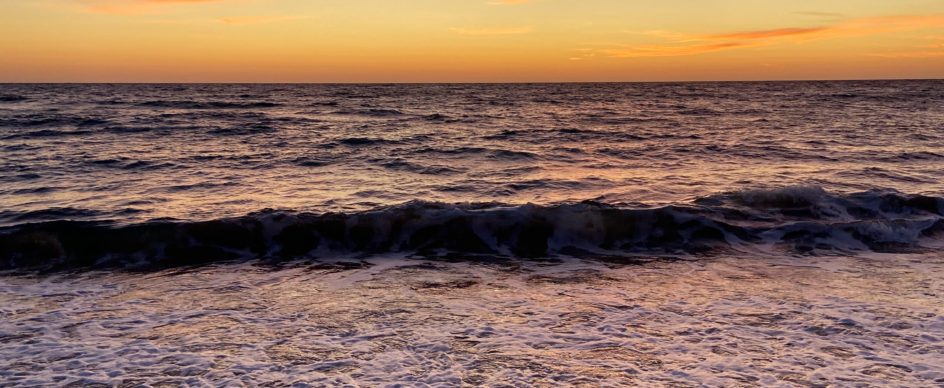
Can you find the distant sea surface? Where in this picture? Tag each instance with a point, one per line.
(525, 170)
(682, 234)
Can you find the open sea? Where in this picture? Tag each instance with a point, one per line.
(667, 234)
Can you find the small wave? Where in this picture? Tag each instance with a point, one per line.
(513, 154)
(91, 122)
(228, 115)
(311, 161)
(198, 186)
(803, 220)
(439, 117)
(374, 112)
(34, 190)
(504, 135)
(482, 151)
(539, 184)
(403, 165)
(207, 104)
(146, 165)
(130, 164)
(48, 120)
(912, 156)
(788, 197)
(45, 133)
(699, 112)
(56, 213)
(365, 141)
(876, 172)
(247, 129)
(615, 119)
(12, 98)
(18, 147)
(111, 101)
(843, 95)
(800, 203)
(26, 177)
(586, 134)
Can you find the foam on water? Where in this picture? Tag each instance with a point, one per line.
(727, 321)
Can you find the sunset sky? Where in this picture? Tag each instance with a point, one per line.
(467, 40)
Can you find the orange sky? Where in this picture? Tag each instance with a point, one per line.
(467, 40)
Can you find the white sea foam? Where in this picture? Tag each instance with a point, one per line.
(721, 322)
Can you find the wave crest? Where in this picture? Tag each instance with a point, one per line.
(799, 220)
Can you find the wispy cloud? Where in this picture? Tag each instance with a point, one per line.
(821, 14)
(933, 50)
(131, 6)
(239, 20)
(492, 31)
(125, 7)
(672, 51)
(912, 54)
(663, 34)
(508, 2)
(679, 44)
(767, 34)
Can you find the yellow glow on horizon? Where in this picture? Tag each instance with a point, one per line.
(467, 40)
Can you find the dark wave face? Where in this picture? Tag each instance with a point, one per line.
(793, 221)
(149, 171)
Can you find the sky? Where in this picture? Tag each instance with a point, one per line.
(468, 40)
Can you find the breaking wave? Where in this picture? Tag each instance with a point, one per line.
(795, 220)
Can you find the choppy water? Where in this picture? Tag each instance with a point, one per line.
(719, 234)
(667, 167)
(134, 152)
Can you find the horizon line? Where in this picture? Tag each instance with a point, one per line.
(454, 82)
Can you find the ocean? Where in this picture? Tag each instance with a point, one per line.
(722, 234)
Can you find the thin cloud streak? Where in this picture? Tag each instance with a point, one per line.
(492, 31)
(509, 2)
(684, 45)
(821, 14)
(672, 51)
(763, 34)
(243, 20)
(935, 50)
(911, 55)
(132, 6)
